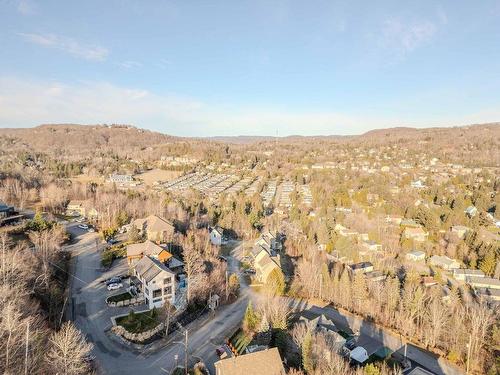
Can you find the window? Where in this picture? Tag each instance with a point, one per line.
(167, 290)
(167, 280)
(156, 293)
(156, 300)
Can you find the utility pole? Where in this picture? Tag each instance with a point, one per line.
(469, 345)
(185, 343)
(186, 351)
(227, 291)
(321, 286)
(27, 346)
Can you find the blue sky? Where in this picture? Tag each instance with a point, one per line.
(202, 68)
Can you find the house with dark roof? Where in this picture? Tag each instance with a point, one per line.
(155, 280)
(5, 210)
(362, 267)
(8, 214)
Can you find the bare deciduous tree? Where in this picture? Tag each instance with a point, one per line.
(68, 350)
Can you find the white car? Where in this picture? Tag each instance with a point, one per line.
(83, 226)
(115, 286)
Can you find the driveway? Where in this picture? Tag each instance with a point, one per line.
(93, 317)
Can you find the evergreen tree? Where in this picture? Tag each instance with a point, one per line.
(307, 361)
(488, 264)
(276, 281)
(250, 320)
(133, 234)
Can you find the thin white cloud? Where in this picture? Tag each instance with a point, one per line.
(68, 45)
(29, 103)
(404, 37)
(129, 64)
(26, 7)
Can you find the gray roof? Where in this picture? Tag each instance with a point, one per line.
(4, 207)
(148, 268)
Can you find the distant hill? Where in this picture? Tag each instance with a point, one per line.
(82, 138)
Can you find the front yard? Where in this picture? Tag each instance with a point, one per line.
(139, 322)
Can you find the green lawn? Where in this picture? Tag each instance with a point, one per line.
(139, 322)
(120, 297)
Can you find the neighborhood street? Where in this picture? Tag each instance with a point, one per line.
(91, 314)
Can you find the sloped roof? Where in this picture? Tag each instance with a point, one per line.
(265, 264)
(148, 268)
(145, 248)
(154, 223)
(265, 362)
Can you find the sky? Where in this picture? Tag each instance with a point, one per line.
(275, 67)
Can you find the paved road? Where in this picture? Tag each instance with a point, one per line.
(91, 314)
(93, 317)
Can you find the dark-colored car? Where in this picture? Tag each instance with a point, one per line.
(114, 280)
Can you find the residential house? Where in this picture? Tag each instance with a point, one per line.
(416, 256)
(8, 214)
(428, 281)
(155, 280)
(264, 362)
(417, 184)
(409, 223)
(415, 234)
(393, 219)
(371, 245)
(362, 267)
(483, 282)
(488, 294)
(462, 274)
(216, 235)
(137, 251)
(375, 276)
(5, 210)
(460, 230)
(320, 323)
(81, 208)
(268, 242)
(471, 211)
(444, 262)
(121, 178)
(345, 232)
(155, 228)
(75, 208)
(265, 265)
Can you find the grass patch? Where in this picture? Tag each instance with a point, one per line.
(139, 322)
(120, 297)
(112, 253)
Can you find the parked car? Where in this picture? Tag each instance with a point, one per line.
(249, 271)
(114, 280)
(112, 241)
(115, 286)
(91, 230)
(83, 226)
